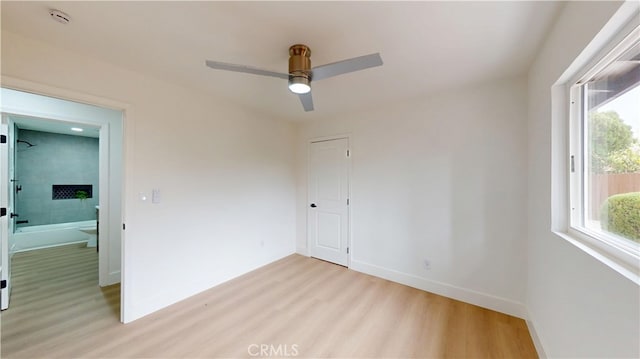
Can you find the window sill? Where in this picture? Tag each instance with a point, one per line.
(626, 264)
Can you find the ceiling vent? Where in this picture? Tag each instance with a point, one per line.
(59, 16)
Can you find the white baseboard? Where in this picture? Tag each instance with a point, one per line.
(302, 251)
(536, 339)
(183, 290)
(112, 278)
(484, 300)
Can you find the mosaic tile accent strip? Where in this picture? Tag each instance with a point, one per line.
(72, 191)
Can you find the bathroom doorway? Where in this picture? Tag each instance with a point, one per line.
(45, 119)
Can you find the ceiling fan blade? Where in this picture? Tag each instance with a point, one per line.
(246, 69)
(307, 101)
(345, 66)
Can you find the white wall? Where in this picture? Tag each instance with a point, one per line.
(578, 306)
(226, 176)
(442, 178)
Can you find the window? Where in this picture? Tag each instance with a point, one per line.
(605, 151)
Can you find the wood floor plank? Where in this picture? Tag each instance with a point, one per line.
(296, 305)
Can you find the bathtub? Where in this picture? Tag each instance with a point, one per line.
(51, 235)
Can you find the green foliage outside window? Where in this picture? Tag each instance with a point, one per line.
(613, 147)
(620, 214)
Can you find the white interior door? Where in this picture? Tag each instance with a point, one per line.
(328, 211)
(6, 201)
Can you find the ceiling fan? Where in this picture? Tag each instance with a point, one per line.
(300, 72)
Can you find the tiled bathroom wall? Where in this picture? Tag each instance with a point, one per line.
(54, 159)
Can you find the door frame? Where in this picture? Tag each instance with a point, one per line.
(310, 141)
(7, 201)
(127, 127)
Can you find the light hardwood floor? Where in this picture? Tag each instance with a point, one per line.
(297, 305)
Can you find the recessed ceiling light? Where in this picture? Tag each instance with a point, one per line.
(77, 129)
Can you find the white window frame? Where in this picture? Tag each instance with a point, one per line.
(617, 253)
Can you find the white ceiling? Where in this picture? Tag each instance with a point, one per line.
(426, 46)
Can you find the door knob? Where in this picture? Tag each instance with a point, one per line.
(313, 205)
(14, 215)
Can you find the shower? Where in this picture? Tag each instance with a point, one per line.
(28, 143)
(55, 186)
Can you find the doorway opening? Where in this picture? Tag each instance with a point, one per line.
(68, 201)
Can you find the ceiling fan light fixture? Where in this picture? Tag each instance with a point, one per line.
(301, 73)
(299, 84)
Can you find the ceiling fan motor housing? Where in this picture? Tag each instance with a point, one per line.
(300, 62)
